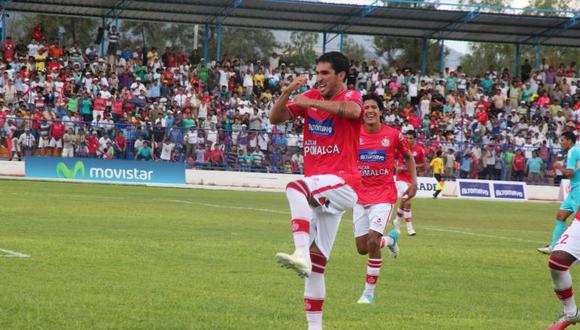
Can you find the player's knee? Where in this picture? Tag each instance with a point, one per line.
(374, 243)
(318, 262)
(559, 262)
(361, 246)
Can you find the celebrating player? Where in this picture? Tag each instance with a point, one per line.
(332, 117)
(403, 180)
(566, 245)
(572, 202)
(379, 145)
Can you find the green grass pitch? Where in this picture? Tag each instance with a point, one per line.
(127, 257)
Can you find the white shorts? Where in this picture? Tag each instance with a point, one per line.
(55, 143)
(68, 152)
(402, 186)
(43, 143)
(336, 197)
(570, 240)
(371, 217)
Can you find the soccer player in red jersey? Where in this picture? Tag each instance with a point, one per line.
(332, 117)
(379, 145)
(403, 179)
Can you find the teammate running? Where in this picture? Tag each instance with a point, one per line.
(572, 202)
(332, 118)
(379, 144)
(403, 180)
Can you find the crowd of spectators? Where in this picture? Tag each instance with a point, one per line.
(173, 106)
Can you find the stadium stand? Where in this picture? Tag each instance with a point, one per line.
(172, 106)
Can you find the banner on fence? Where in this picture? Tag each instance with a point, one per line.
(486, 189)
(92, 169)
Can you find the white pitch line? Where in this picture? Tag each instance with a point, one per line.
(229, 207)
(14, 254)
(481, 235)
(420, 227)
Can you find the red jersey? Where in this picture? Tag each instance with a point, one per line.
(376, 162)
(330, 141)
(418, 155)
(57, 130)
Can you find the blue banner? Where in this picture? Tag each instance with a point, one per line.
(474, 189)
(510, 190)
(92, 169)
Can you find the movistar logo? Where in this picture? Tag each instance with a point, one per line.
(62, 171)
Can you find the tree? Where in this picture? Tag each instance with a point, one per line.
(482, 55)
(68, 29)
(300, 50)
(354, 51)
(245, 43)
(402, 51)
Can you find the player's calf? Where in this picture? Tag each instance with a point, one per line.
(559, 265)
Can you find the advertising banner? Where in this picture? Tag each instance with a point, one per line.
(486, 189)
(92, 169)
(509, 190)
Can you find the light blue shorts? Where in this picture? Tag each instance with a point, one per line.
(572, 202)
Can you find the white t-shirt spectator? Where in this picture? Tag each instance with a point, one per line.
(166, 150)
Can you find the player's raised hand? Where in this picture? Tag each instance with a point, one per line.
(298, 82)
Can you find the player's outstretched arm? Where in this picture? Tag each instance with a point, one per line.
(346, 109)
(280, 112)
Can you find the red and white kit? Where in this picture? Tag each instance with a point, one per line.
(376, 162)
(403, 180)
(330, 166)
(570, 240)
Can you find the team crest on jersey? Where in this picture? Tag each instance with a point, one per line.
(372, 156)
(321, 127)
(385, 142)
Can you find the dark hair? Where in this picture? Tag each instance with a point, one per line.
(375, 98)
(570, 136)
(438, 153)
(412, 133)
(337, 60)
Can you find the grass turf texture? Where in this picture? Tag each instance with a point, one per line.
(156, 258)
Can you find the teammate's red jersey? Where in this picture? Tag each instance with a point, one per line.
(376, 163)
(330, 141)
(419, 156)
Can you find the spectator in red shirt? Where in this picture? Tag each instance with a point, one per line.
(519, 165)
(56, 133)
(120, 144)
(93, 144)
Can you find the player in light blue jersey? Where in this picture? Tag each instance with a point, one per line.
(566, 243)
(572, 202)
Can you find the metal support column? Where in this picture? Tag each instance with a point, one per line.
(117, 23)
(538, 57)
(424, 58)
(206, 43)
(103, 25)
(517, 61)
(3, 24)
(342, 42)
(219, 42)
(442, 56)
(323, 42)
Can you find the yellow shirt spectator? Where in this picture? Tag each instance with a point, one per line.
(437, 165)
(259, 78)
(40, 62)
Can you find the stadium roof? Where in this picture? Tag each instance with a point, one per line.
(465, 23)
